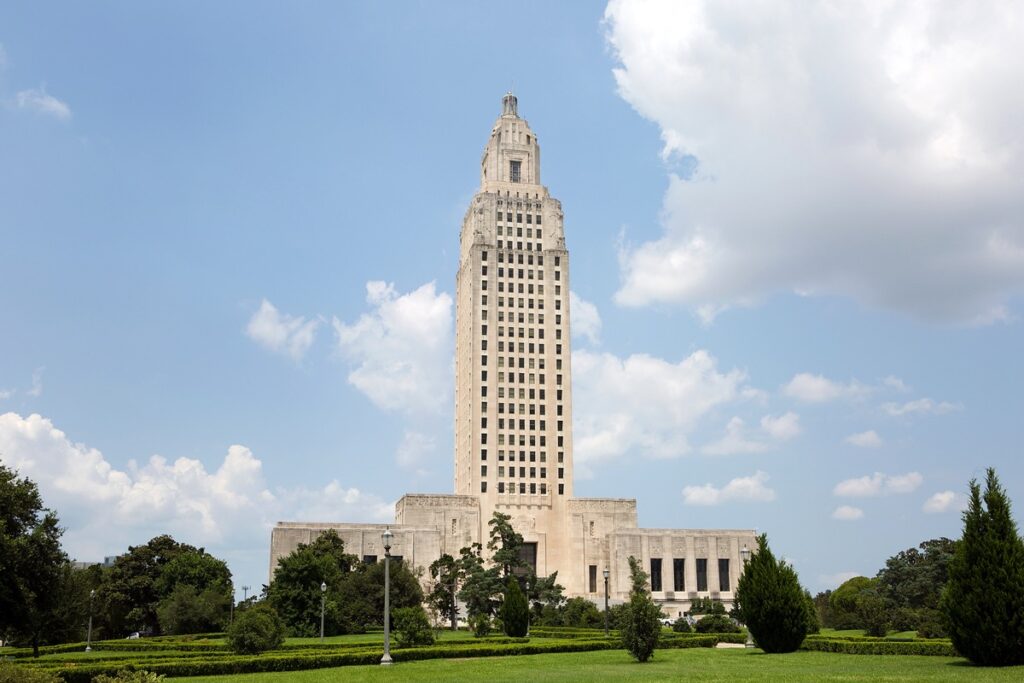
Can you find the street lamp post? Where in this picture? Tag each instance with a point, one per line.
(386, 539)
(606, 602)
(745, 552)
(88, 642)
(323, 597)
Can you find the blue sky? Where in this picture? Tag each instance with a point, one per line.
(797, 240)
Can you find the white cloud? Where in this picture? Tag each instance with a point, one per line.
(878, 484)
(750, 489)
(281, 332)
(41, 102)
(584, 319)
(37, 383)
(830, 141)
(642, 404)
(414, 449)
(896, 384)
(402, 350)
(868, 439)
(227, 507)
(784, 427)
(944, 501)
(921, 406)
(819, 389)
(847, 513)
(735, 441)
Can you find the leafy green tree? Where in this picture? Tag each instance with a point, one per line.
(984, 598)
(845, 601)
(772, 601)
(641, 624)
(911, 584)
(31, 560)
(68, 620)
(515, 613)
(813, 622)
(682, 625)
(481, 587)
(716, 623)
(581, 613)
(360, 600)
(824, 608)
(256, 630)
(412, 628)
(872, 615)
(445, 572)
(545, 595)
(505, 544)
(187, 610)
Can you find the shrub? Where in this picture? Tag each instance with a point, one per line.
(582, 613)
(12, 673)
(480, 624)
(772, 601)
(515, 612)
(871, 611)
(717, 623)
(681, 625)
(126, 676)
(984, 598)
(412, 628)
(864, 646)
(256, 630)
(931, 625)
(642, 623)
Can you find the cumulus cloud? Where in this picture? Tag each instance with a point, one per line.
(39, 101)
(104, 508)
(414, 449)
(784, 427)
(738, 439)
(921, 406)
(744, 489)
(819, 389)
(401, 352)
(281, 332)
(944, 501)
(868, 439)
(644, 405)
(584, 319)
(878, 484)
(847, 513)
(822, 144)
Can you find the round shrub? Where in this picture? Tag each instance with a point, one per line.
(717, 623)
(681, 625)
(412, 628)
(480, 624)
(772, 601)
(12, 673)
(256, 630)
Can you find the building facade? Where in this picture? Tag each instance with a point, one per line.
(513, 414)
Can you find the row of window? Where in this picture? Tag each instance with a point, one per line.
(522, 424)
(511, 376)
(520, 258)
(522, 472)
(678, 575)
(519, 205)
(530, 218)
(507, 231)
(523, 488)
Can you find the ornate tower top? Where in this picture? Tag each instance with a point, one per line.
(511, 160)
(509, 105)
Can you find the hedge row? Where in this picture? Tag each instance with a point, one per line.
(284, 661)
(880, 647)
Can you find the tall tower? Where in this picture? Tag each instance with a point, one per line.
(513, 393)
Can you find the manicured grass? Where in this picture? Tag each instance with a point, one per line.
(668, 665)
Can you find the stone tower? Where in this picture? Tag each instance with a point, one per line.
(513, 394)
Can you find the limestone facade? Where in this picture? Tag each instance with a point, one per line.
(513, 414)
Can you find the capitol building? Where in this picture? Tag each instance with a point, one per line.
(513, 416)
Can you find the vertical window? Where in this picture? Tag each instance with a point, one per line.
(561, 489)
(723, 574)
(678, 574)
(702, 574)
(655, 574)
(514, 168)
(593, 578)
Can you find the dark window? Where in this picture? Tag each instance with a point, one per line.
(593, 578)
(702, 574)
(561, 489)
(483, 487)
(514, 170)
(723, 574)
(369, 559)
(501, 487)
(678, 574)
(528, 556)
(655, 574)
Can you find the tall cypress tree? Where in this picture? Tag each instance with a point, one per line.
(515, 612)
(772, 602)
(984, 598)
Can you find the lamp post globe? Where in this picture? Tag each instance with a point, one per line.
(386, 539)
(323, 598)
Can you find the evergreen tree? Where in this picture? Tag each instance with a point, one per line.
(984, 598)
(515, 613)
(446, 573)
(505, 543)
(772, 601)
(641, 623)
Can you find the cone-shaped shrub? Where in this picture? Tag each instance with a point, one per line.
(515, 612)
(984, 597)
(772, 601)
(641, 625)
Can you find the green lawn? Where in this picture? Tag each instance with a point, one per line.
(697, 664)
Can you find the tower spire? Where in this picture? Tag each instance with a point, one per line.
(510, 105)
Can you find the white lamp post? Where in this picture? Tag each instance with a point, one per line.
(745, 552)
(88, 642)
(323, 597)
(386, 540)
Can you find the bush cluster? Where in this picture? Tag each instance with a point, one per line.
(681, 625)
(12, 673)
(868, 646)
(717, 623)
(256, 630)
(412, 628)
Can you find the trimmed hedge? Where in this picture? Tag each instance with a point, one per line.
(878, 646)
